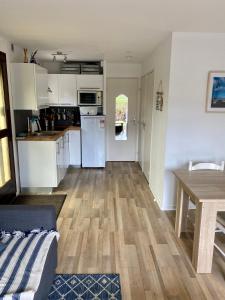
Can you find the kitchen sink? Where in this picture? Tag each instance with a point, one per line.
(46, 133)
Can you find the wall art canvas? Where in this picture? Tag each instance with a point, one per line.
(216, 91)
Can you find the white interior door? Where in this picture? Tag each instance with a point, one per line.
(147, 88)
(122, 104)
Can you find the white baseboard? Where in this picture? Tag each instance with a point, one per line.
(169, 207)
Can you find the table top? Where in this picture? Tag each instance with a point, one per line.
(205, 185)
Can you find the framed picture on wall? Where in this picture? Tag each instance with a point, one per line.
(216, 92)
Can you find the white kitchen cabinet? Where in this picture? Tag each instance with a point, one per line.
(43, 164)
(67, 89)
(53, 89)
(75, 147)
(65, 151)
(90, 82)
(62, 89)
(59, 160)
(29, 84)
(38, 164)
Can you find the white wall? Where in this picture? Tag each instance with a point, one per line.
(192, 134)
(124, 70)
(159, 62)
(12, 56)
(52, 67)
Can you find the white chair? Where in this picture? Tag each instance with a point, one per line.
(206, 166)
(220, 224)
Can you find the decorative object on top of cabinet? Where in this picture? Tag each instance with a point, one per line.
(159, 97)
(33, 58)
(25, 60)
(29, 86)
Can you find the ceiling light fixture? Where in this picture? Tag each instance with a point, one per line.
(60, 54)
(129, 57)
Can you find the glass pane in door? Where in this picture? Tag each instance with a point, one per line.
(121, 117)
(5, 174)
(2, 103)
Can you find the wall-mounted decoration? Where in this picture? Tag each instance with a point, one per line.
(216, 92)
(159, 97)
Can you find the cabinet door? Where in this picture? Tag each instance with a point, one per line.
(41, 77)
(67, 89)
(37, 161)
(23, 86)
(67, 149)
(58, 160)
(90, 82)
(75, 148)
(53, 89)
(65, 153)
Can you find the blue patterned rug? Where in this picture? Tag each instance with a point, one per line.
(86, 287)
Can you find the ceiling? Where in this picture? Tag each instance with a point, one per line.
(115, 30)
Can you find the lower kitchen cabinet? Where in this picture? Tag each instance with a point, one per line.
(43, 164)
(75, 147)
(39, 163)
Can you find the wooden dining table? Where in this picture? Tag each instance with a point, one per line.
(206, 189)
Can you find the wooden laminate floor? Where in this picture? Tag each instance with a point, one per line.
(110, 223)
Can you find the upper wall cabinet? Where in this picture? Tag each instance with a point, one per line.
(53, 89)
(29, 86)
(67, 89)
(62, 89)
(90, 82)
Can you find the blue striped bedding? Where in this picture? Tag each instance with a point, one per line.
(22, 262)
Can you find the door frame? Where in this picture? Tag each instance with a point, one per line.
(137, 107)
(9, 189)
(141, 142)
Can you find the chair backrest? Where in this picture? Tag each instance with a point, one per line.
(206, 166)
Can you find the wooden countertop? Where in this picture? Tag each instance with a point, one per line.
(47, 137)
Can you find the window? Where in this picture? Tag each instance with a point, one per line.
(7, 174)
(2, 103)
(121, 117)
(4, 149)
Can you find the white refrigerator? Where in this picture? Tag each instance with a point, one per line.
(93, 141)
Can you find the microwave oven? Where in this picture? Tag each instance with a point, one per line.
(90, 97)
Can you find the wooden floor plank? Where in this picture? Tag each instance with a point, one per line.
(110, 223)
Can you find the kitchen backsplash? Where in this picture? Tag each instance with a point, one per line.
(21, 120)
(59, 117)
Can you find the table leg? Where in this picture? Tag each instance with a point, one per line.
(181, 210)
(204, 235)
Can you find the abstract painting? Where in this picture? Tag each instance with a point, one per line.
(216, 92)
